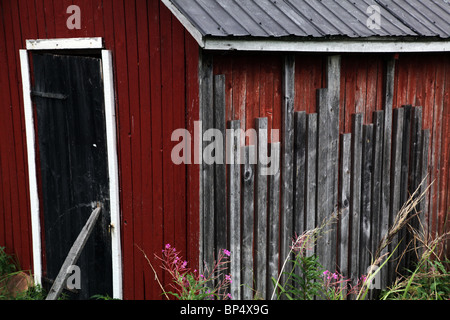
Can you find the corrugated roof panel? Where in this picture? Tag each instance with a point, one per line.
(316, 18)
(416, 15)
(227, 22)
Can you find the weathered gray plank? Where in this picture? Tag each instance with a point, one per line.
(287, 146)
(261, 200)
(333, 97)
(397, 144)
(423, 173)
(311, 172)
(344, 203)
(406, 144)
(323, 198)
(234, 208)
(387, 144)
(207, 170)
(299, 171)
(328, 148)
(416, 149)
(73, 255)
(378, 123)
(274, 218)
(248, 185)
(415, 170)
(355, 203)
(366, 198)
(220, 197)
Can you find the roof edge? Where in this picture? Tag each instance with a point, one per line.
(193, 30)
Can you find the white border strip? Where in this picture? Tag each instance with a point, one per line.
(334, 46)
(31, 153)
(113, 169)
(61, 44)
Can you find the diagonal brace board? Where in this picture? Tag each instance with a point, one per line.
(73, 255)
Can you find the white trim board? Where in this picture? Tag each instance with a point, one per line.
(332, 46)
(111, 141)
(64, 44)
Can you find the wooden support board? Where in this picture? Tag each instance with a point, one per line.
(73, 255)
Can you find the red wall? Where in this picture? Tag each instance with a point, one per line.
(155, 67)
(253, 89)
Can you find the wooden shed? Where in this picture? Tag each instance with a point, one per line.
(92, 90)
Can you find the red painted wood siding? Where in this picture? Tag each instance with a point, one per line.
(253, 86)
(156, 85)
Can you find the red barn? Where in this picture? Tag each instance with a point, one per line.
(91, 92)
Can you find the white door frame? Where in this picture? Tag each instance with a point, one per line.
(111, 142)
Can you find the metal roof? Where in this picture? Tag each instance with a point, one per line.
(314, 18)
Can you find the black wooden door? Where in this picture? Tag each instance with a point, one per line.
(68, 96)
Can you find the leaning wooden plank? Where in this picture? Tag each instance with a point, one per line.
(73, 255)
(299, 170)
(397, 143)
(248, 184)
(344, 203)
(355, 203)
(287, 146)
(366, 198)
(261, 207)
(274, 218)
(220, 169)
(234, 206)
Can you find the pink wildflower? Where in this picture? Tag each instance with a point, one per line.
(228, 253)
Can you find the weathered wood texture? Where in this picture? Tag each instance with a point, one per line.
(266, 214)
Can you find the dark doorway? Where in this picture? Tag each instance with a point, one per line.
(73, 164)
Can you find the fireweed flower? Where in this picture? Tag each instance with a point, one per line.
(228, 278)
(225, 251)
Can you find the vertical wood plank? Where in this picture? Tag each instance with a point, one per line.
(423, 207)
(219, 168)
(287, 145)
(389, 86)
(378, 123)
(311, 172)
(328, 145)
(206, 105)
(366, 198)
(274, 218)
(333, 104)
(405, 175)
(261, 125)
(299, 170)
(355, 188)
(344, 203)
(248, 184)
(424, 215)
(234, 207)
(323, 198)
(397, 142)
(415, 170)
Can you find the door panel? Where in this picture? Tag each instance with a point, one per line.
(68, 96)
